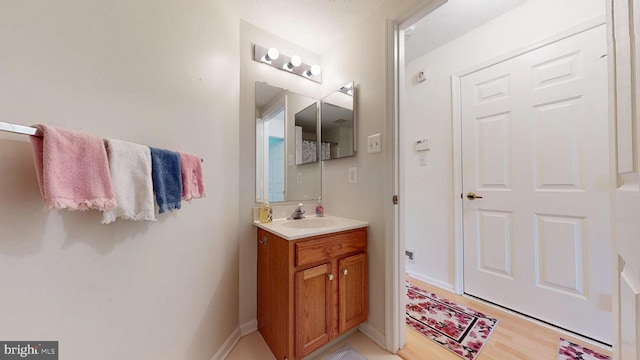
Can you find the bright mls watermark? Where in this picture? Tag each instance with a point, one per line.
(31, 350)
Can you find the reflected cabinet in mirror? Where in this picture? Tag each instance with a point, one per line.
(287, 166)
(338, 123)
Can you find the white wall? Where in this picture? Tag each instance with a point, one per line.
(250, 72)
(427, 196)
(361, 56)
(162, 74)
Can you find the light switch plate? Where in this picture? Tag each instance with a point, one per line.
(374, 144)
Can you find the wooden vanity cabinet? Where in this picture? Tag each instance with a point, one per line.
(310, 290)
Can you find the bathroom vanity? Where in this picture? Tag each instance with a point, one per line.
(312, 282)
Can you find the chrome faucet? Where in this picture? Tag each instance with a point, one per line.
(298, 213)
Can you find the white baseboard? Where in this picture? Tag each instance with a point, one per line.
(373, 334)
(249, 327)
(224, 351)
(441, 284)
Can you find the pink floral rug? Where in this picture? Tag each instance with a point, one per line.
(570, 351)
(457, 328)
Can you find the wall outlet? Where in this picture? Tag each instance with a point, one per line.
(423, 158)
(353, 175)
(410, 254)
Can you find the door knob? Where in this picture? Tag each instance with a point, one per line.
(345, 272)
(473, 196)
(330, 277)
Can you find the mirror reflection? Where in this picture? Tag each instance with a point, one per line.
(284, 172)
(338, 123)
(306, 127)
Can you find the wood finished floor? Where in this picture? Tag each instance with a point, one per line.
(514, 338)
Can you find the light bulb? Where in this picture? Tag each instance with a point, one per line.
(295, 61)
(315, 70)
(272, 54)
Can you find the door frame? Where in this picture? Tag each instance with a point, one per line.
(395, 336)
(395, 331)
(456, 107)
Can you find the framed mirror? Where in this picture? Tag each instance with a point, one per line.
(338, 125)
(283, 171)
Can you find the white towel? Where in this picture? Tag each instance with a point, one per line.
(130, 166)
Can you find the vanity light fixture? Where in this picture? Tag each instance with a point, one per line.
(347, 89)
(291, 64)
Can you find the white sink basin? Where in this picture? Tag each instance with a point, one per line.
(309, 223)
(310, 226)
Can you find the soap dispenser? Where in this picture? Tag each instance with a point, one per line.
(319, 208)
(266, 212)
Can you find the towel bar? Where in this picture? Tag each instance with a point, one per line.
(25, 130)
(18, 129)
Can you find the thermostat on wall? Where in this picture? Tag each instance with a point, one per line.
(423, 144)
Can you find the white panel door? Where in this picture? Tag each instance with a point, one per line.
(625, 45)
(535, 148)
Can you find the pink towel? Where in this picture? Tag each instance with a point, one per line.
(72, 170)
(192, 184)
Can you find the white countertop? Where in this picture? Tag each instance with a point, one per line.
(297, 229)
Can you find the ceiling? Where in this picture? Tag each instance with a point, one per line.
(312, 24)
(451, 20)
(316, 24)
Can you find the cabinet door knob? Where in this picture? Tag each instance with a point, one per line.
(264, 240)
(330, 277)
(345, 272)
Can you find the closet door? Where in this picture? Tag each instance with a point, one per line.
(536, 196)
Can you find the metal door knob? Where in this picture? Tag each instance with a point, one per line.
(345, 272)
(473, 196)
(330, 277)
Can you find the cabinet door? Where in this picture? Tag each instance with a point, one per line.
(263, 278)
(353, 291)
(273, 294)
(313, 308)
